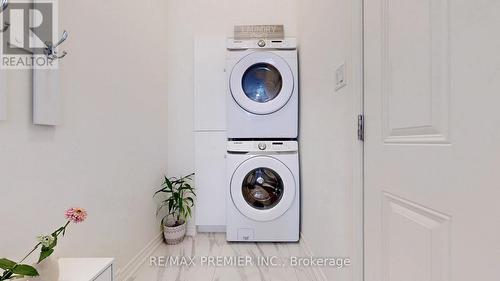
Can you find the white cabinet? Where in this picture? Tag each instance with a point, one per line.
(86, 269)
(210, 152)
(210, 88)
(209, 84)
(106, 275)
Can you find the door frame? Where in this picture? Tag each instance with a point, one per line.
(357, 83)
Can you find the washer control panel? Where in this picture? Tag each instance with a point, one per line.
(262, 146)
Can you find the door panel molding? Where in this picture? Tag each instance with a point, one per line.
(411, 232)
(415, 72)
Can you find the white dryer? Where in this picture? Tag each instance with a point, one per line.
(263, 198)
(262, 96)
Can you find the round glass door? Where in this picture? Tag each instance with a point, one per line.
(262, 188)
(261, 82)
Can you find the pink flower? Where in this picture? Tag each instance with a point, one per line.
(76, 215)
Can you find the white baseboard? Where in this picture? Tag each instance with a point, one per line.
(318, 273)
(191, 230)
(131, 268)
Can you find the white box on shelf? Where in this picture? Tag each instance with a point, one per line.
(86, 269)
(47, 104)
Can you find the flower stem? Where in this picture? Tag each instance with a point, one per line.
(56, 233)
(36, 247)
(9, 272)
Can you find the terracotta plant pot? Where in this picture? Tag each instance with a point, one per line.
(174, 234)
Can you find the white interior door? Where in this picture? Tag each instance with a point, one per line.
(432, 151)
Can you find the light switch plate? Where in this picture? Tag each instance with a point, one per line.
(340, 79)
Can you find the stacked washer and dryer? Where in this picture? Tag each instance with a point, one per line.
(262, 160)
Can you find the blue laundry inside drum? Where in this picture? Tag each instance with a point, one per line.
(262, 82)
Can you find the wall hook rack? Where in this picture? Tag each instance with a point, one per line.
(3, 6)
(50, 49)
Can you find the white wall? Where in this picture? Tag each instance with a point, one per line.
(193, 20)
(328, 144)
(179, 57)
(111, 151)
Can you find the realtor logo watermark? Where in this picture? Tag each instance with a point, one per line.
(32, 28)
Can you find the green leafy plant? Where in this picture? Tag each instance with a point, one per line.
(14, 270)
(179, 199)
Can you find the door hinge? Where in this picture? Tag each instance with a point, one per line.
(361, 127)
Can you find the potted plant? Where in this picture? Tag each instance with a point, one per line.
(177, 205)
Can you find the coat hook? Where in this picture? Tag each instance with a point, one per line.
(5, 4)
(6, 26)
(64, 36)
(3, 7)
(50, 49)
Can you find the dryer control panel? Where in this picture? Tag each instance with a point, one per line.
(278, 44)
(262, 146)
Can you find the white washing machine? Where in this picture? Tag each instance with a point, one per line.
(262, 98)
(263, 199)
